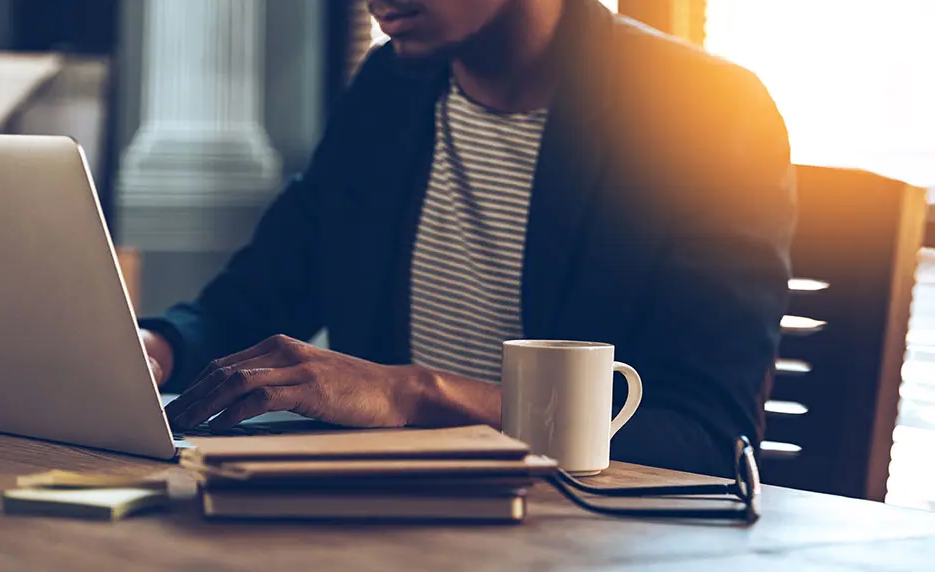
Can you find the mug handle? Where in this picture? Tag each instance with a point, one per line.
(634, 396)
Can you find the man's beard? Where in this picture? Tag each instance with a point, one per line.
(415, 64)
(431, 60)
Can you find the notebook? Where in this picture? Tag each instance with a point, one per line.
(475, 442)
(101, 504)
(508, 508)
(529, 466)
(56, 479)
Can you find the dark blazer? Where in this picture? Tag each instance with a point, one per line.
(660, 221)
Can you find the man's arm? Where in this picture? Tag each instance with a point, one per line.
(273, 285)
(720, 288)
(270, 286)
(284, 374)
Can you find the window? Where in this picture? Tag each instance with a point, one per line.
(856, 85)
(854, 80)
(912, 465)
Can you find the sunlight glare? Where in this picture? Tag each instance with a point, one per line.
(853, 79)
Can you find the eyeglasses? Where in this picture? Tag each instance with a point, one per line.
(744, 491)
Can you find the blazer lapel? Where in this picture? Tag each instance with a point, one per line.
(385, 199)
(570, 164)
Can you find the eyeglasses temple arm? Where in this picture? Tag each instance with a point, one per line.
(748, 516)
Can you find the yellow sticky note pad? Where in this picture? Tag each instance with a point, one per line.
(101, 504)
(68, 480)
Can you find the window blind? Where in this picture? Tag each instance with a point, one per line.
(912, 466)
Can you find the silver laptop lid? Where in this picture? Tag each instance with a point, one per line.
(72, 367)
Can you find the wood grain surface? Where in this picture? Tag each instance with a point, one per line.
(798, 531)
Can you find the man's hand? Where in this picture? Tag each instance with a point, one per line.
(160, 356)
(283, 374)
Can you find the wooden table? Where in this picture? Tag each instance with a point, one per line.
(798, 531)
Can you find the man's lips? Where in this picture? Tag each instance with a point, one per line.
(393, 13)
(397, 21)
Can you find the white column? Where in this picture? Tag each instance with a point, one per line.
(201, 165)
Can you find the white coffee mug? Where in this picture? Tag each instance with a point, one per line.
(557, 398)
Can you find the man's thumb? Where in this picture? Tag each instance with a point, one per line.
(156, 369)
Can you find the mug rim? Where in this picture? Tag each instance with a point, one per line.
(567, 345)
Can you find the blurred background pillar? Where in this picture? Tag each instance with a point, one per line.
(201, 166)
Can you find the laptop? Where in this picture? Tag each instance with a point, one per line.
(72, 366)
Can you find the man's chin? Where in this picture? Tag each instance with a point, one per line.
(420, 53)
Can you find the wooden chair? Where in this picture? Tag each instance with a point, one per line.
(835, 390)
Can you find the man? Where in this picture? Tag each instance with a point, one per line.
(506, 169)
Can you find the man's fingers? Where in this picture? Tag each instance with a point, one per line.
(215, 392)
(215, 377)
(273, 344)
(191, 395)
(257, 402)
(267, 346)
(255, 351)
(231, 388)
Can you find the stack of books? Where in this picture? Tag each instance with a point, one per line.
(458, 474)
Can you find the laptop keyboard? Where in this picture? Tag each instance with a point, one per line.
(275, 423)
(247, 429)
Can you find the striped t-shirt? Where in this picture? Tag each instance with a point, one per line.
(468, 258)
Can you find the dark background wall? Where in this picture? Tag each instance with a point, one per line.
(6, 9)
(85, 27)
